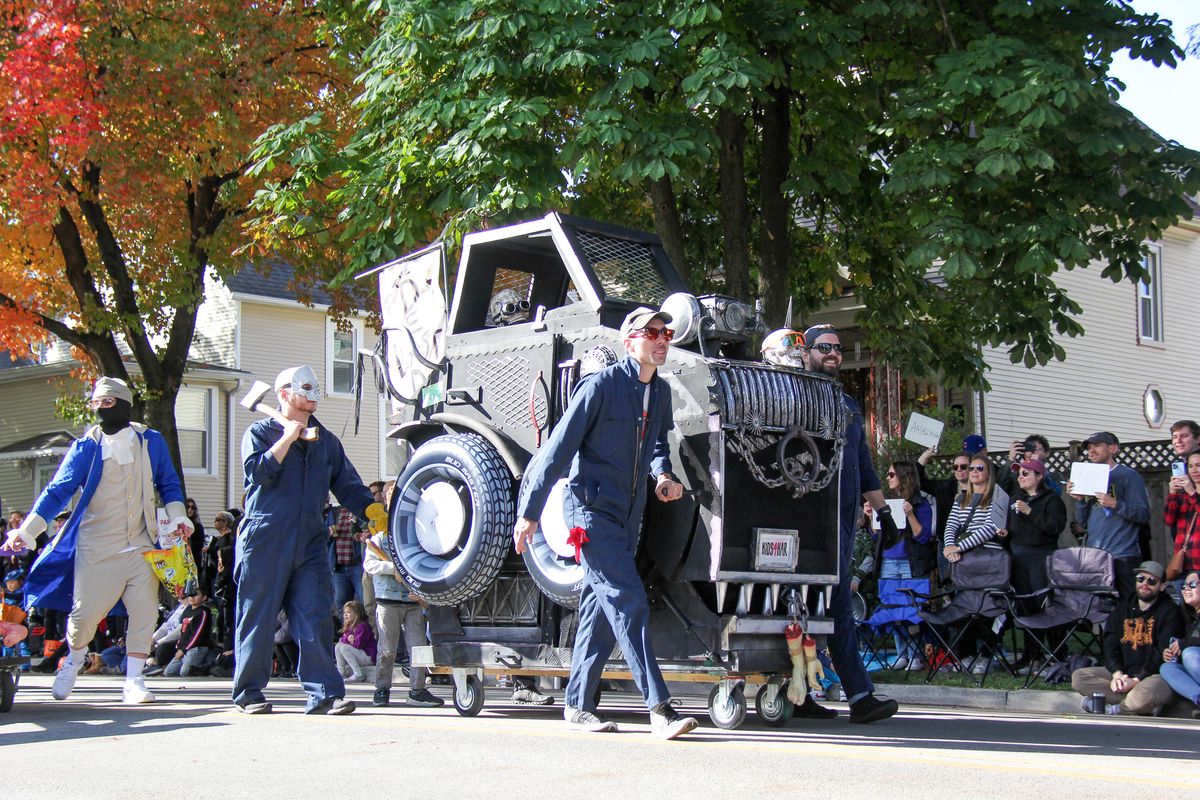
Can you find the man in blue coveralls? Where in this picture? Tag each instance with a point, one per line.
(612, 434)
(282, 557)
(823, 350)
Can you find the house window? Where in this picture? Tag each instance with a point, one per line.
(44, 472)
(1150, 327)
(343, 357)
(195, 425)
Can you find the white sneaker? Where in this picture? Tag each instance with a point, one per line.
(981, 665)
(135, 692)
(578, 720)
(900, 663)
(64, 681)
(667, 723)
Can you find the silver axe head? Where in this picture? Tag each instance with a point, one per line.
(253, 400)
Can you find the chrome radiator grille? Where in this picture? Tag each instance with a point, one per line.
(757, 399)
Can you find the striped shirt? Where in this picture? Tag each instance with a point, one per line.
(981, 533)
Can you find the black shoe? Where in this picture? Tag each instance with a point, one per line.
(152, 671)
(811, 709)
(872, 709)
(217, 671)
(255, 708)
(46, 667)
(333, 706)
(424, 699)
(382, 697)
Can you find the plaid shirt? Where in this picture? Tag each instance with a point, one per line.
(1181, 508)
(343, 535)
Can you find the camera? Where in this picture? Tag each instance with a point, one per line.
(1029, 446)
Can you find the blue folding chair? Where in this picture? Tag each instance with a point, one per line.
(895, 616)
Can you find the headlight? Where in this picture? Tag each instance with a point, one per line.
(735, 317)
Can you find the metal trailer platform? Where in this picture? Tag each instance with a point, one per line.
(468, 662)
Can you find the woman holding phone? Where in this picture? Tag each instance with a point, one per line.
(1181, 513)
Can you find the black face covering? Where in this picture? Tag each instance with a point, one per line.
(115, 418)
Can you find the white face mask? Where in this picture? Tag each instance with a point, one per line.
(304, 384)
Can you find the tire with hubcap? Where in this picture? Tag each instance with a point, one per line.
(452, 518)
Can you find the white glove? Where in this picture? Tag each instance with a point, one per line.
(20, 539)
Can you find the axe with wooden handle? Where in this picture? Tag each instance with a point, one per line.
(253, 400)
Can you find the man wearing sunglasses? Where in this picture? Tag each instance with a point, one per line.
(611, 436)
(96, 558)
(1136, 634)
(858, 480)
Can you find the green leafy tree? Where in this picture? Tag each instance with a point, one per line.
(945, 158)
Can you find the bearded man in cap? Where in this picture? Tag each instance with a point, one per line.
(95, 560)
(612, 435)
(281, 553)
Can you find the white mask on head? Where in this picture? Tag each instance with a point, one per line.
(301, 382)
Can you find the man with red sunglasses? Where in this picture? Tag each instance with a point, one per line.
(612, 434)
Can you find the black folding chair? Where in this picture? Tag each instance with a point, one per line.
(980, 582)
(1080, 594)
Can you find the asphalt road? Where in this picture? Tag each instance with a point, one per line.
(191, 744)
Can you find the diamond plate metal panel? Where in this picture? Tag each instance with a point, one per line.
(506, 382)
(511, 600)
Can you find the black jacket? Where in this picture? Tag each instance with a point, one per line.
(1134, 639)
(1040, 528)
(943, 490)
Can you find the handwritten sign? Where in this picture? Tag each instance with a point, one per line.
(1089, 479)
(925, 431)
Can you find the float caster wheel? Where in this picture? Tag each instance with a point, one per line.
(727, 709)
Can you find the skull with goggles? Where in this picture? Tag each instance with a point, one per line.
(784, 348)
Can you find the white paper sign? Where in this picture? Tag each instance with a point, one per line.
(999, 507)
(1089, 479)
(925, 431)
(897, 507)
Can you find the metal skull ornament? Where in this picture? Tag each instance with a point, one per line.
(784, 348)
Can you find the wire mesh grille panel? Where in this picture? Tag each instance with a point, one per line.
(626, 270)
(511, 600)
(506, 383)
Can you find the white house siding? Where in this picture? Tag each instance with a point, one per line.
(1101, 383)
(28, 411)
(274, 337)
(216, 326)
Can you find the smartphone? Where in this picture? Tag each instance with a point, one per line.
(1178, 469)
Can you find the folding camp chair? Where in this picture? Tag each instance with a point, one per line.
(980, 580)
(893, 618)
(1080, 594)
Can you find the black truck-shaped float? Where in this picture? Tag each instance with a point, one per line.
(476, 385)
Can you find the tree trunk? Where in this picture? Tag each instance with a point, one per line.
(734, 205)
(668, 226)
(775, 244)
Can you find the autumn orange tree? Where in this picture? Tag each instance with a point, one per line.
(125, 130)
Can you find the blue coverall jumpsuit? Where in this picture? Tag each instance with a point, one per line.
(858, 476)
(601, 437)
(283, 558)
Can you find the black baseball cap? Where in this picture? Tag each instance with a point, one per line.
(1101, 437)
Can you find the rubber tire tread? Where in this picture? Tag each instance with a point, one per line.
(498, 511)
(8, 690)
